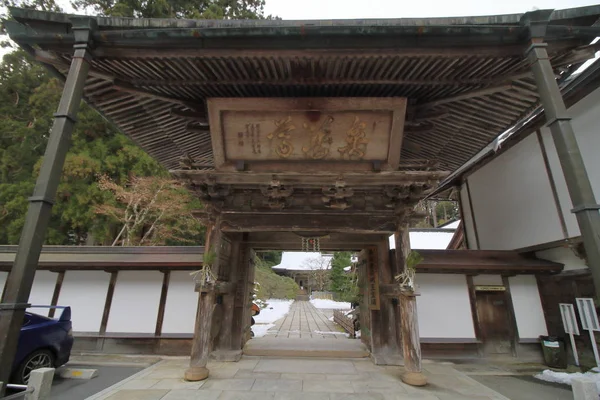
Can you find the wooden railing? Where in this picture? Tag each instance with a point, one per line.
(345, 321)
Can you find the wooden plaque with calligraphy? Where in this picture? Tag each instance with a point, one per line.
(307, 134)
(372, 279)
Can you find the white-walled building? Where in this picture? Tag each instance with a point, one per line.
(516, 198)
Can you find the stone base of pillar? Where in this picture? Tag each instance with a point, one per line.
(194, 374)
(226, 355)
(414, 378)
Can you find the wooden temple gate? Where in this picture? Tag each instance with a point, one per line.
(315, 172)
(288, 130)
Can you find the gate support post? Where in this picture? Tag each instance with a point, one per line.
(585, 206)
(37, 219)
(207, 296)
(409, 322)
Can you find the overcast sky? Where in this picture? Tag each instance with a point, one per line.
(329, 9)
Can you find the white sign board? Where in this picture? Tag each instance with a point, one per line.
(567, 312)
(587, 313)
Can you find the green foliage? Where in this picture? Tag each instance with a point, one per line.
(270, 257)
(28, 99)
(413, 259)
(198, 9)
(272, 286)
(343, 283)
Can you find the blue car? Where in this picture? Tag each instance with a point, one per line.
(44, 343)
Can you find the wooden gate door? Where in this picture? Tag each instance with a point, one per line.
(492, 313)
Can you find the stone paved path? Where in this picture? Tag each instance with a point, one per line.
(305, 321)
(257, 378)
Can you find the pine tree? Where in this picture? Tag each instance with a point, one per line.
(339, 279)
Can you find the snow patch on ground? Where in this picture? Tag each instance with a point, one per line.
(261, 330)
(274, 310)
(566, 378)
(330, 304)
(331, 333)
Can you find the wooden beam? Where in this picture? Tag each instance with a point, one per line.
(474, 315)
(162, 302)
(512, 319)
(56, 294)
(199, 117)
(309, 81)
(350, 223)
(108, 302)
(472, 210)
(468, 95)
(387, 178)
(365, 52)
(129, 88)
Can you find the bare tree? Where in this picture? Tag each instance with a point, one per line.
(152, 210)
(319, 271)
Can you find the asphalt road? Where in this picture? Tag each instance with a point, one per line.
(79, 389)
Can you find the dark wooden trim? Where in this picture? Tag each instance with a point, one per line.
(561, 217)
(59, 281)
(512, 319)
(162, 303)
(109, 298)
(474, 316)
(472, 210)
(133, 266)
(550, 245)
(461, 212)
(543, 301)
(5, 286)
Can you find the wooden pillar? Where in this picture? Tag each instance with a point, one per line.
(227, 348)
(243, 294)
(409, 323)
(202, 335)
(385, 347)
(201, 345)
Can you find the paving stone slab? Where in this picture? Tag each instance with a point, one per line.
(249, 374)
(328, 386)
(378, 386)
(356, 396)
(140, 384)
(277, 385)
(145, 394)
(178, 384)
(305, 366)
(304, 377)
(302, 396)
(228, 384)
(246, 396)
(192, 395)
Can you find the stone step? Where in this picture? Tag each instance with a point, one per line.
(302, 297)
(298, 347)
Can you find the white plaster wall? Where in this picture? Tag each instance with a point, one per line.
(528, 307)
(585, 126)
(3, 277)
(564, 256)
(182, 303)
(489, 280)
(42, 290)
(468, 218)
(444, 308)
(135, 302)
(512, 200)
(85, 293)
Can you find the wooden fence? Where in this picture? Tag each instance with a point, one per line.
(345, 321)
